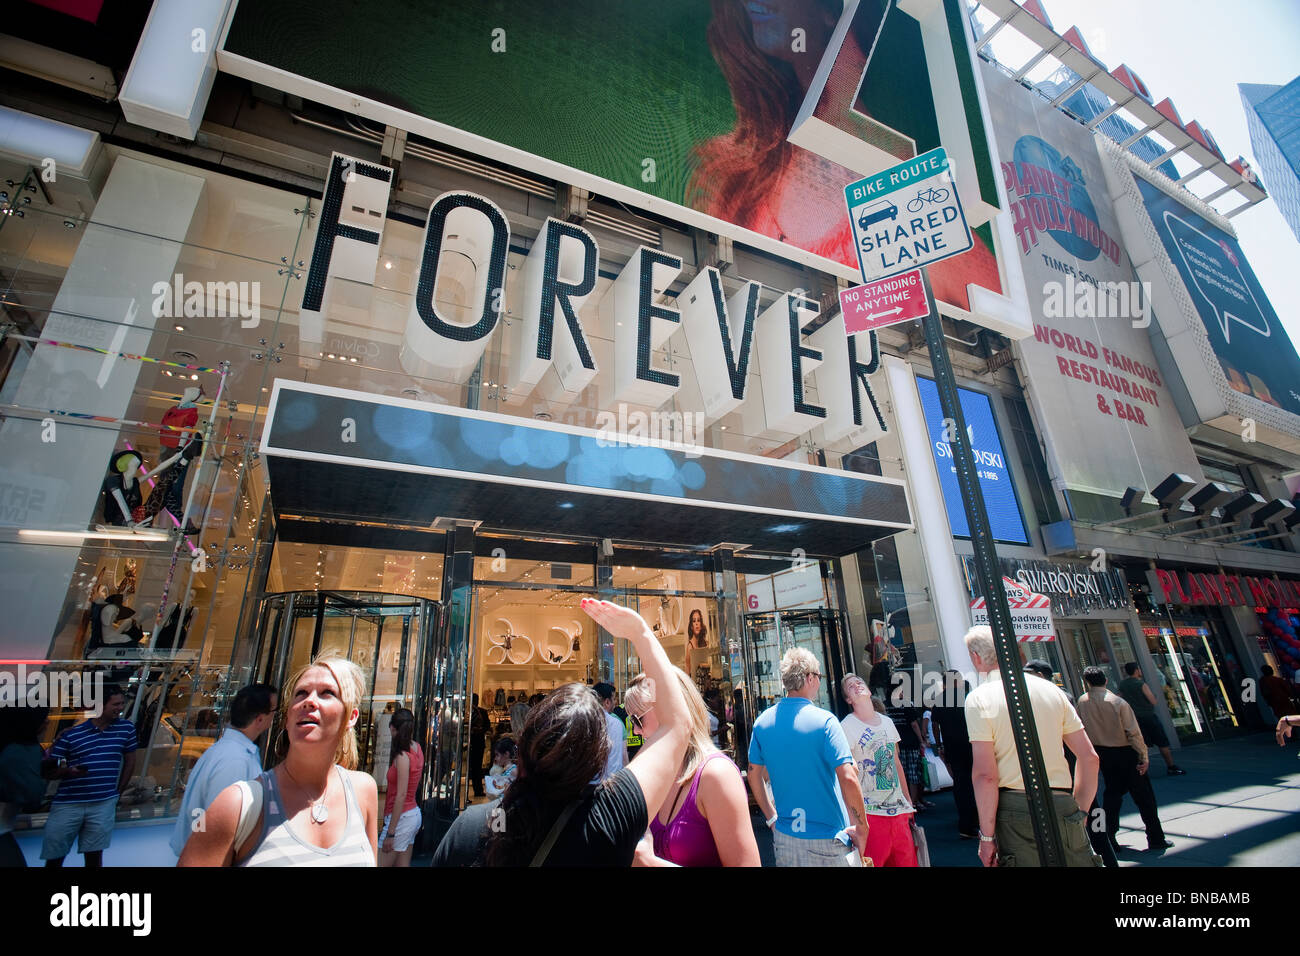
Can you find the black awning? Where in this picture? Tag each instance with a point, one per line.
(351, 456)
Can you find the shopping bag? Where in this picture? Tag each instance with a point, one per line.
(939, 777)
(922, 848)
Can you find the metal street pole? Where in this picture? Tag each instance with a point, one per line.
(1037, 789)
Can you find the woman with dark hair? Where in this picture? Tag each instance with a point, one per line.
(800, 196)
(21, 783)
(555, 814)
(406, 762)
(505, 767)
(697, 632)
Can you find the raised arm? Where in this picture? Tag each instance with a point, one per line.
(660, 757)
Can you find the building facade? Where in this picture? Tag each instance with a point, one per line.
(1273, 118)
(424, 356)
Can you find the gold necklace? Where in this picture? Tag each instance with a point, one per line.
(319, 812)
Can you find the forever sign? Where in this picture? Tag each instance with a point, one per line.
(906, 217)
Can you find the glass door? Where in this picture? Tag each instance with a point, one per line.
(769, 634)
(386, 635)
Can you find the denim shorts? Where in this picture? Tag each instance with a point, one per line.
(90, 824)
(408, 825)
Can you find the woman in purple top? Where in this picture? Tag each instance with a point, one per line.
(704, 820)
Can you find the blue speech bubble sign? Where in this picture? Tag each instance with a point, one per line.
(1216, 274)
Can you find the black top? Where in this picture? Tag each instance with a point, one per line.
(902, 718)
(478, 725)
(603, 831)
(952, 721)
(131, 494)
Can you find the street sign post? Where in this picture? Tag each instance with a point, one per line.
(887, 302)
(1038, 790)
(905, 218)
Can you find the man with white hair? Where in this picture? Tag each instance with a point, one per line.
(803, 751)
(1006, 828)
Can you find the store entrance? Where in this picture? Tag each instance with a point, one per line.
(770, 634)
(389, 636)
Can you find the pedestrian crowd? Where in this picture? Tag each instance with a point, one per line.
(565, 791)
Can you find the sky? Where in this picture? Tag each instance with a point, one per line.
(1196, 52)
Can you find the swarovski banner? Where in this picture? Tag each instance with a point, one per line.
(1073, 588)
(1089, 367)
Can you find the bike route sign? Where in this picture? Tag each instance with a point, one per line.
(906, 217)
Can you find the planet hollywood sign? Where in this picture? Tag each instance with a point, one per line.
(1226, 590)
(549, 340)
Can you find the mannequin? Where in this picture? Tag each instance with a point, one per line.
(170, 492)
(121, 489)
(172, 633)
(127, 584)
(111, 624)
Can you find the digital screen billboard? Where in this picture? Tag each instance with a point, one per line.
(1248, 339)
(1005, 518)
(677, 101)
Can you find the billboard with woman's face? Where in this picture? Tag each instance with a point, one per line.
(681, 107)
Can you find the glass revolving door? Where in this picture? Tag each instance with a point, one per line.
(389, 636)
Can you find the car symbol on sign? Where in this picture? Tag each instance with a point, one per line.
(877, 211)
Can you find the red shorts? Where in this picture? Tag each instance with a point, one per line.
(889, 840)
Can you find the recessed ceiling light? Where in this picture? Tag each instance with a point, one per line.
(178, 327)
(388, 265)
(194, 377)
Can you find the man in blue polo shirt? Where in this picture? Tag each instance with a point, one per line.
(803, 751)
(100, 755)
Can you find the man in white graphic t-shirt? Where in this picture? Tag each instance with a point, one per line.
(873, 739)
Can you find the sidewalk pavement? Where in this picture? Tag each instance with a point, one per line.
(1239, 805)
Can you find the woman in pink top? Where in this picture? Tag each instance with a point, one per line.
(704, 820)
(397, 840)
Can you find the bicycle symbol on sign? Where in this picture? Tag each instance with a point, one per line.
(923, 196)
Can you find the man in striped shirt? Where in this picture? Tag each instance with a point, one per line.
(100, 759)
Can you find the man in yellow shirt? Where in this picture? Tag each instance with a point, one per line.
(1006, 829)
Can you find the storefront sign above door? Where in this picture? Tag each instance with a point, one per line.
(551, 341)
(1074, 588)
(1224, 590)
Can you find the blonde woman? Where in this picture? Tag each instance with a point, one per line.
(704, 820)
(313, 809)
